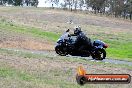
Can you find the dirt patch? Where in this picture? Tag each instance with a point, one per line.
(9, 39)
(27, 44)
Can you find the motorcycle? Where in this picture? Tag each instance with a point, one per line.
(65, 45)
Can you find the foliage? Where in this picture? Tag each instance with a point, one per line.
(20, 2)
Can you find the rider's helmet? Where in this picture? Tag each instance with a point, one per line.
(77, 30)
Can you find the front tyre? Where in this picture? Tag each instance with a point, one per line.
(61, 50)
(99, 54)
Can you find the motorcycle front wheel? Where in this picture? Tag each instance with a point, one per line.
(99, 54)
(61, 50)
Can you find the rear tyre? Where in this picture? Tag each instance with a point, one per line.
(99, 54)
(61, 50)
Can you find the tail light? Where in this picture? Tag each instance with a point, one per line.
(105, 46)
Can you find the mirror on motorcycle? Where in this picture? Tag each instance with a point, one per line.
(67, 30)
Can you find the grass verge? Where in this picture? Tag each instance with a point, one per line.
(51, 78)
(28, 30)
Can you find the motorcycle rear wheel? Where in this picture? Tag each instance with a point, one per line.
(100, 54)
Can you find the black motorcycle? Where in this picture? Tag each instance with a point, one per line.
(65, 45)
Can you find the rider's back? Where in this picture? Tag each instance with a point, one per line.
(82, 39)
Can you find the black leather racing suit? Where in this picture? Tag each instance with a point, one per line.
(83, 43)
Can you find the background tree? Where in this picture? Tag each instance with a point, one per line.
(17, 2)
(129, 8)
(116, 8)
(81, 3)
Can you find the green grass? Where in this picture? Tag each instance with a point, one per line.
(120, 50)
(6, 72)
(28, 30)
(120, 43)
(53, 77)
(50, 79)
(40, 80)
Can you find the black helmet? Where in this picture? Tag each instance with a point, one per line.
(77, 30)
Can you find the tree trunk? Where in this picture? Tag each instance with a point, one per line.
(104, 10)
(71, 8)
(75, 5)
(52, 6)
(124, 15)
(131, 16)
(1, 2)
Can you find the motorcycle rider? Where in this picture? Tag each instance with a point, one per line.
(83, 43)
